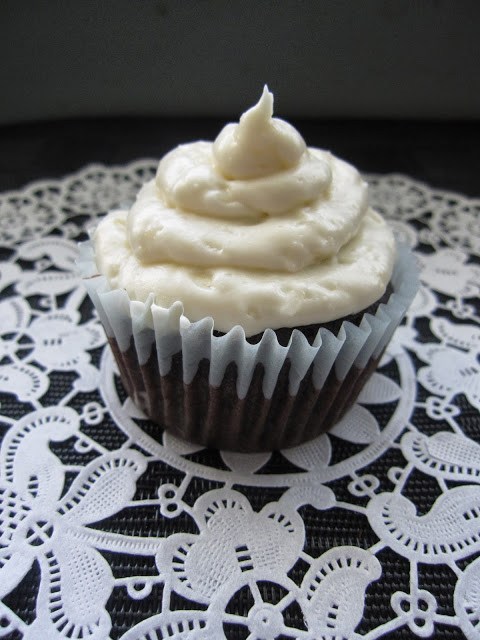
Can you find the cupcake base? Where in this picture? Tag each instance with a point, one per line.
(271, 391)
(217, 417)
(214, 416)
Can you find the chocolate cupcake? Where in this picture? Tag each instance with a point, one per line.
(250, 290)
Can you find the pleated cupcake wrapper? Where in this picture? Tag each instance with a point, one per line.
(148, 326)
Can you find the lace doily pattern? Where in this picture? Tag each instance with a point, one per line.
(113, 529)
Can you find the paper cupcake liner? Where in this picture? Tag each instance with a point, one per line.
(223, 391)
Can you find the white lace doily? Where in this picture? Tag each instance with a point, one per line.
(107, 532)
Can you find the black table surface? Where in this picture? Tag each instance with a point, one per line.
(445, 155)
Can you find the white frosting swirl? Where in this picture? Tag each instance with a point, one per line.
(255, 229)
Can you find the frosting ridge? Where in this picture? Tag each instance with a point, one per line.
(258, 145)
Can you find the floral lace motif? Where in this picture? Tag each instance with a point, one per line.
(181, 543)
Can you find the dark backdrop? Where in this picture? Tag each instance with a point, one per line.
(390, 85)
(322, 58)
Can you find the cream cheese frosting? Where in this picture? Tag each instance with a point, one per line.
(254, 229)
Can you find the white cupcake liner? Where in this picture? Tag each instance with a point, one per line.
(148, 326)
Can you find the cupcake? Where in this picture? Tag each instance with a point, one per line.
(250, 290)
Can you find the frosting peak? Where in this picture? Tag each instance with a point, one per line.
(260, 166)
(258, 145)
